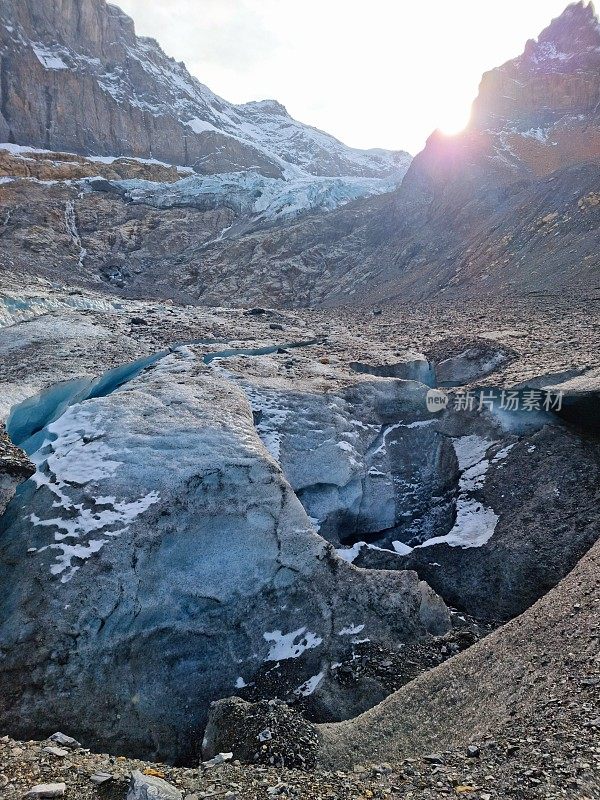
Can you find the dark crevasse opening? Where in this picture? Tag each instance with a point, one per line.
(28, 420)
(582, 412)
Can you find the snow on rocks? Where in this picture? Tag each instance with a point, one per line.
(48, 58)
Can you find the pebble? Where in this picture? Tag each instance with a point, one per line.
(56, 751)
(48, 790)
(100, 778)
(64, 741)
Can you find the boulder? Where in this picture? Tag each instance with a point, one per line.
(149, 787)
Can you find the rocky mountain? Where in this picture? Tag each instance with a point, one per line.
(509, 205)
(94, 87)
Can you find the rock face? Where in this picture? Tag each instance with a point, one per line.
(17, 162)
(154, 522)
(538, 105)
(93, 86)
(15, 468)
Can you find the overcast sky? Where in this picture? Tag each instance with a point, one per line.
(374, 73)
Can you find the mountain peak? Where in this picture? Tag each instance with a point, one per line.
(145, 104)
(557, 75)
(575, 33)
(267, 107)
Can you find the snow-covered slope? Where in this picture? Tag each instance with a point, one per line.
(94, 87)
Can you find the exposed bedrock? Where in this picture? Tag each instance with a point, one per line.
(158, 559)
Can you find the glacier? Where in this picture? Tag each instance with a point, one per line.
(254, 195)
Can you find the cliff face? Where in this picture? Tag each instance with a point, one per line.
(556, 74)
(535, 114)
(74, 76)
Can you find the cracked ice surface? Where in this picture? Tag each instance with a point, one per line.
(74, 455)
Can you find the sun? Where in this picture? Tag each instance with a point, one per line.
(454, 120)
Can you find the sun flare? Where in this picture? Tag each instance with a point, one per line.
(454, 116)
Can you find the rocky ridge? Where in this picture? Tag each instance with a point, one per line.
(96, 88)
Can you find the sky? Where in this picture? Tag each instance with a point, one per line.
(374, 73)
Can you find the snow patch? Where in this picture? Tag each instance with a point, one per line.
(201, 126)
(309, 686)
(475, 523)
(271, 418)
(401, 548)
(48, 59)
(290, 645)
(351, 630)
(74, 455)
(350, 554)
